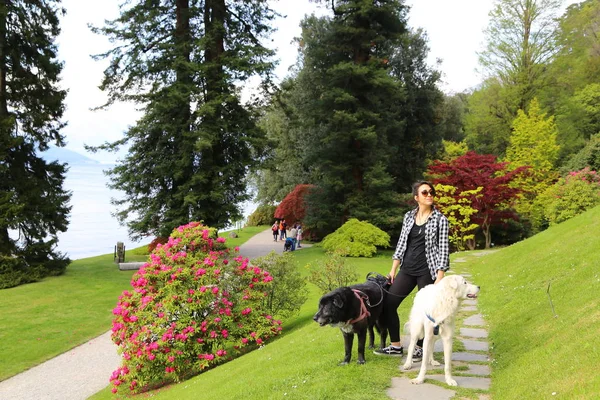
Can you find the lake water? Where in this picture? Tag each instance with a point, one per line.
(93, 230)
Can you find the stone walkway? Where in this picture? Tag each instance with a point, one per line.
(473, 335)
(84, 370)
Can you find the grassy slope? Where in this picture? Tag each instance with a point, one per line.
(44, 319)
(535, 353)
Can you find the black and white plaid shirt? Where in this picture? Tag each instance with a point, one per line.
(437, 248)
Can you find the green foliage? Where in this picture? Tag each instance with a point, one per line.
(359, 119)
(457, 207)
(570, 196)
(191, 308)
(288, 292)
(263, 215)
(533, 144)
(190, 152)
(589, 156)
(492, 108)
(356, 239)
(453, 150)
(331, 272)
(33, 200)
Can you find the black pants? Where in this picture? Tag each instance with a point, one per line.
(401, 288)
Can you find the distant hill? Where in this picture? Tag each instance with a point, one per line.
(66, 156)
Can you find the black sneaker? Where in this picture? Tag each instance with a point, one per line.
(418, 354)
(390, 351)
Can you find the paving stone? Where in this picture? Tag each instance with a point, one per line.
(469, 382)
(465, 356)
(468, 308)
(473, 333)
(469, 302)
(475, 345)
(474, 320)
(402, 389)
(459, 260)
(478, 369)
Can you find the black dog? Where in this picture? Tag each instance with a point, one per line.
(356, 309)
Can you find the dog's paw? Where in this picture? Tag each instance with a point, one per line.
(451, 382)
(435, 363)
(407, 366)
(416, 381)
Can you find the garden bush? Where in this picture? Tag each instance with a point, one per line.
(356, 239)
(263, 215)
(570, 196)
(331, 272)
(193, 305)
(288, 292)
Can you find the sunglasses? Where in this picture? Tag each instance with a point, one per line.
(425, 193)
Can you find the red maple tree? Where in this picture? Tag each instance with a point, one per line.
(473, 170)
(292, 208)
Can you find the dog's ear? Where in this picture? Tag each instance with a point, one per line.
(454, 283)
(338, 301)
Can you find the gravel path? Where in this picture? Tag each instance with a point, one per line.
(85, 370)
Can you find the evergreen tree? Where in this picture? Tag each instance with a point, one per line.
(33, 201)
(366, 104)
(190, 152)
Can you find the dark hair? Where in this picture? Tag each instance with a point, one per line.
(418, 184)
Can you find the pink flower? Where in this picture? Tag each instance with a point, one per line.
(244, 340)
(215, 290)
(224, 333)
(203, 289)
(151, 357)
(114, 390)
(221, 240)
(259, 341)
(221, 353)
(169, 369)
(133, 318)
(171, 358)
(201, 271)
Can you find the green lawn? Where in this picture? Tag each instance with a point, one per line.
(44, 319)
(535, 354)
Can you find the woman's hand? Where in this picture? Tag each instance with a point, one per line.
(439, 276)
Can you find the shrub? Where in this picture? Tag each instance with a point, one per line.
(356, 239)
(191, 307)
(570, 196)
(331, 272)
(293, 208)
(288, 292)
(263, 215)
(158, 240)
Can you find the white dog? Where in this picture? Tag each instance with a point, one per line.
(434, 309)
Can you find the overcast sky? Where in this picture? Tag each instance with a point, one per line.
(455, 31)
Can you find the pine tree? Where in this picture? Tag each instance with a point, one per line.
(33, 201)
(365, 101)
(190, 152)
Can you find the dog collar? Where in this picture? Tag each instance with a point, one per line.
(364, 313)
(436, 327)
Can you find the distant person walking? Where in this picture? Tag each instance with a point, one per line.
(275, 229)
(293, 234)
(282, 228)
(299, 235)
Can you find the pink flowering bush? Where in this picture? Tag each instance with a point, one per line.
(192, 306)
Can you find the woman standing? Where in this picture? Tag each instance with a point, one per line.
(423, 254)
